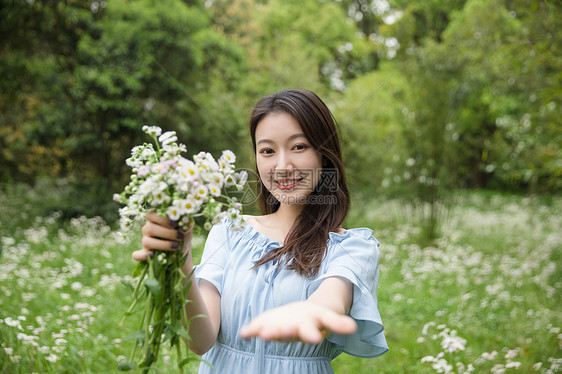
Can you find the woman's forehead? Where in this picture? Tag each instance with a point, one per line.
(279, 125)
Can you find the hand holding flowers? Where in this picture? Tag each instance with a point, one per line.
(165, 187)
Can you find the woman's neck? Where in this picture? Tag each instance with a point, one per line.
(286, 215)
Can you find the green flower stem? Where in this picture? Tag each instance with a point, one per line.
(184, 292)
(142, 326)
(148, 316)
(136, 297)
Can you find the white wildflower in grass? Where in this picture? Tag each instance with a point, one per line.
(60, 341)
(512, 365)
(9, 321)
(188, 192)
(486, 356)
(44, 349)
(52, 358)
(511, 353)
(439, 364)
(498, 369)
(555, 364)
(451, 342)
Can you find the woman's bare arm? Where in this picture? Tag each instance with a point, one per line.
(204, 298)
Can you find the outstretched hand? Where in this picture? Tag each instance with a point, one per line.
(299, 321)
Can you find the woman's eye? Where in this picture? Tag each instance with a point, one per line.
(266, 151)
(300, 147)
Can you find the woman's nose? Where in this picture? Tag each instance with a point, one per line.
(284, 161)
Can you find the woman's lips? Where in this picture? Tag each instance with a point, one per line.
(287, 184)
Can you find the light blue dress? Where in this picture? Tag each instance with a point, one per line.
(226, 262)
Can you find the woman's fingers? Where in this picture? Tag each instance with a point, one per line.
(141, 255)
(249, 330)
(157, 230)
(309, 333)
(340, 324)
(150, 243)
(152, 216)
(304, 332)
(161, 234)
(298, 321)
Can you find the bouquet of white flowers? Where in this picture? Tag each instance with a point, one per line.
(182, 190)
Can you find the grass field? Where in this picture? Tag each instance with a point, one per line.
(485, 298)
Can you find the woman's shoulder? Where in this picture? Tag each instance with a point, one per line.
(353, 235)
(354, 250)
(357, 243)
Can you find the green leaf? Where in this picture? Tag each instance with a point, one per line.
(148, 361)
(125, 366)
(130, 313)
(153, 286)
(186, 360)
(127, 284)
(137, 335)
(179, 330)
(141, 266)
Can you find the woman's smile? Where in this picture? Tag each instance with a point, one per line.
(287, 184)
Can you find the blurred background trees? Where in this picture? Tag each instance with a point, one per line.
(430, 96)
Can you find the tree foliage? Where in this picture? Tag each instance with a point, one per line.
(485, 96)
(456, 93)
(94, 76)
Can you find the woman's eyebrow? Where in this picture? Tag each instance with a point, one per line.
(294, 136)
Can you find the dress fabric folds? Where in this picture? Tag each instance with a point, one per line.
(245, 293)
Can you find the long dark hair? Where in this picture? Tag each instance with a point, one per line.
(328, 205)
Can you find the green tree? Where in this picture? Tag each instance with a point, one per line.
(484, 110)
(527, 148)
(93, 75)
(369, 114)
(496, 66)
(305, 44)
(423, 20)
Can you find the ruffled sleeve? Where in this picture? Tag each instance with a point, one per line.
(355, 256)
(215, 256)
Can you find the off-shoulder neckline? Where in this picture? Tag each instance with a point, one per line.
(333, 236)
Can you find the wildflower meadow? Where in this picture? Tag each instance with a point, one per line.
(484, 298)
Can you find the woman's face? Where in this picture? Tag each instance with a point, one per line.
(289, 167)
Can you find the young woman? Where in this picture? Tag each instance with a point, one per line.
(292, 289)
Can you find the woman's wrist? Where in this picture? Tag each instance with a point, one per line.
(187, 268)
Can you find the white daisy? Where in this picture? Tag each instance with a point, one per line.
(173, 213)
